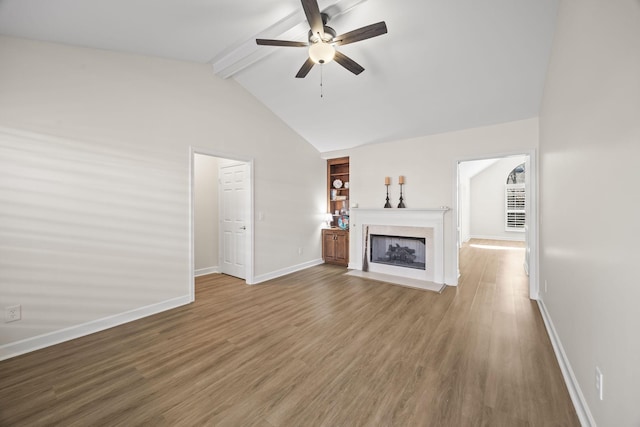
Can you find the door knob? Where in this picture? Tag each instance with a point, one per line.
(243, 228)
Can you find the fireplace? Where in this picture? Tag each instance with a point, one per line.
(403, 246)
(402, 251)
(393, 250)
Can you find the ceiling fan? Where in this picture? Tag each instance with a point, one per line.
(323, 39)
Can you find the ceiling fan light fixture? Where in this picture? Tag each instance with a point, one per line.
(321, 52)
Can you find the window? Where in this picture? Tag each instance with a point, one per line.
(515, 200)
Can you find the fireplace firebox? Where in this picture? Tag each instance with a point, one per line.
(400, 251)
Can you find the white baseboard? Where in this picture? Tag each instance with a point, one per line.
(451, 280)
(17, 348)
(579, 402)
(205, 271)
(508, 238)
(283, 272)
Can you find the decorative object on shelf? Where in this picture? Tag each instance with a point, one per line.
(337, 183)
(387, 182)
(346, 184)
(334, 193)
(328, 219)
(401, 182)
(343, 222)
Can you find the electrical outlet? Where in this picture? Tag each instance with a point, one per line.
(300, 251)
(599, 383)
(12, 313)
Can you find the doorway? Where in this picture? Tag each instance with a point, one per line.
(492, 221)
(221, 238)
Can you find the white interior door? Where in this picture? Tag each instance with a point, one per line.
(234, 211)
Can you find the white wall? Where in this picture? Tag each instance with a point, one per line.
(487, 204)
(205, 216)
(589, 209)
(466, 170)
(96, 199)
(429, 166)
(464, 208)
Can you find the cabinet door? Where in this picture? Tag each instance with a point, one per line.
(328, 246)
(342, 248)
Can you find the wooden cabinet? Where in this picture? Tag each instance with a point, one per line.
(335, 241)
(335, 246)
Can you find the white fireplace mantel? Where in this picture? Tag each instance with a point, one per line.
(429, 218)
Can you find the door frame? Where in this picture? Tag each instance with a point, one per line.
(250, 220)
(532, 214)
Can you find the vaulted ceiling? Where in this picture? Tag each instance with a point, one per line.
(444, 65)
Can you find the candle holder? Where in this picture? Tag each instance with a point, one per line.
(401, 204)
(387, 205)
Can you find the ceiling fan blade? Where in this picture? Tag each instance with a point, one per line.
(306, 67)
(312, 11)
(348, 63)
(269, 42)
(363, 33)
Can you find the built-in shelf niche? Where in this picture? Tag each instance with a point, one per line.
(338, 195)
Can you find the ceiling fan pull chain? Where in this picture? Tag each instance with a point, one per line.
(321, 67)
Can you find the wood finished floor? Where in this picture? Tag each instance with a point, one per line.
(315, 348)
